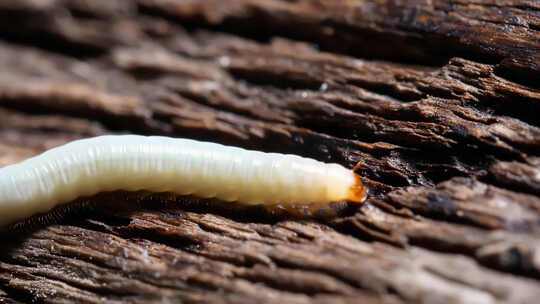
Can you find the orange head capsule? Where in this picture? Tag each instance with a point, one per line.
(357, 192)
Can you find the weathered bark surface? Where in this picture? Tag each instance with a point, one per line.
(436, 103)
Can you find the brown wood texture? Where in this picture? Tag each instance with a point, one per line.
(436, 103)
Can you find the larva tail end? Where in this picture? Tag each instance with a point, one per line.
(357, 192)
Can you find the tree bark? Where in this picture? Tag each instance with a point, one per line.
(435, 103)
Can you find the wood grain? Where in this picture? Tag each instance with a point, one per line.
(435, 103)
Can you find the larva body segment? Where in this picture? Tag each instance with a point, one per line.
(161, 164)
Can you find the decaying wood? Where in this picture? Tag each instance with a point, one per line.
(435, 103)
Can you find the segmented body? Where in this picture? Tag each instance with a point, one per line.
(162, 164)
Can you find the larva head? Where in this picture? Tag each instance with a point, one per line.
(357, 192)
(344, 185)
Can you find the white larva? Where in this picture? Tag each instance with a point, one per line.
(162, 164)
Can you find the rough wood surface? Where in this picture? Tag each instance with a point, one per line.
(435, 103)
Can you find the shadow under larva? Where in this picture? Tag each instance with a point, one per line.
(114, 209)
